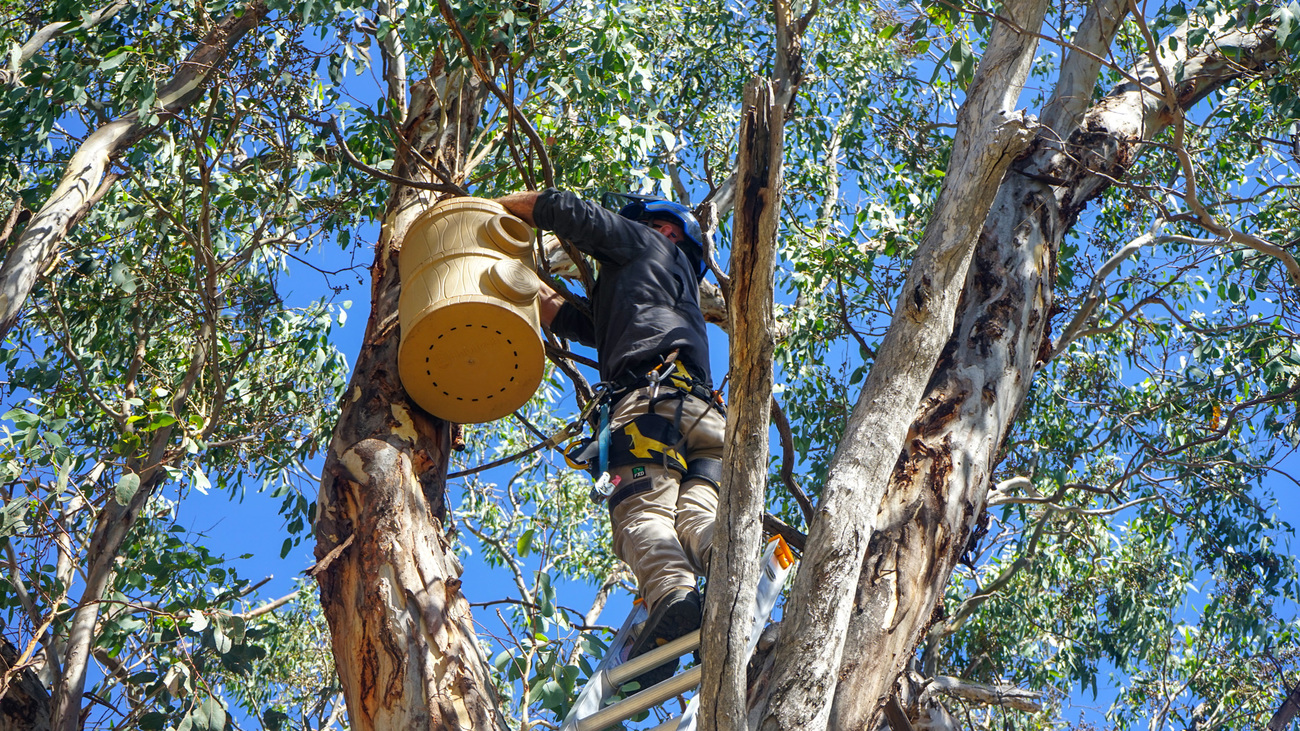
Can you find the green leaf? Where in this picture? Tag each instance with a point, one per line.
(524, 543)
(545, 594)
(159, 421)
(209, 715)
(201, 481)
(121, 275)
(114, 59)
(1285, 22)
(127, 485)
(552, 694)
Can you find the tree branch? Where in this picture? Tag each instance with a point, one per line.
(737, 539)
(1006, 696)
(507, 100)
(47, 229)
(331, 125)
(806, 664)
(787, 462)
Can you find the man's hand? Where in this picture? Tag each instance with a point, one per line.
(549, 302)
(521, 205)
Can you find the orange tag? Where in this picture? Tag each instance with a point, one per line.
(783, 554)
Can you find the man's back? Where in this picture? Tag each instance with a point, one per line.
(645, 303)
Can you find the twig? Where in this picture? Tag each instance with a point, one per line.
(270, 606)
(844, 319)
(536, 606)
(777, 527)
(1190, 195)
(787, 462)
(554, 351)
(11, 221)
(529, 425)
(334, 553)
(1091, 299)
(499, 462)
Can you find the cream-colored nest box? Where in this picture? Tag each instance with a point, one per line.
(470, 348)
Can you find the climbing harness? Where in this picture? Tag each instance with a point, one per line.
(648, 437)
(590, 712)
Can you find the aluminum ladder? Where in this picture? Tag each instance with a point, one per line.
(589, 712)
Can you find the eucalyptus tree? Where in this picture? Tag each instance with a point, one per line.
(156, 357)
(1051, 344)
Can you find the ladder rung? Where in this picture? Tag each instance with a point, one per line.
(653, 659)
(642, 700)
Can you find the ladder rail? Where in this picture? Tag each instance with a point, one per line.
(641, 701)
(587, 713)
(653, 659)
(598, 687)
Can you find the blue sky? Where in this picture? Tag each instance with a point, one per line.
(254, 526)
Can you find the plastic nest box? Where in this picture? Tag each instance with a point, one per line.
(470, 349)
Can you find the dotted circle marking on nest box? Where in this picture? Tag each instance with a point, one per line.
(465, 329)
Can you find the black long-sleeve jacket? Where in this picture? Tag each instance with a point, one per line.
(646, 299)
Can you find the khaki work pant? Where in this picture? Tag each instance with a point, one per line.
(664, 528)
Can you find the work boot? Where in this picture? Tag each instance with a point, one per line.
(677, 614)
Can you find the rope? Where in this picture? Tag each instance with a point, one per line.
(569, 430)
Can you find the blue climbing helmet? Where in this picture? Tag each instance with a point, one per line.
(646, 208)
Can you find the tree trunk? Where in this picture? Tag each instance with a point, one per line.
(81, 179)
(940, 484)
(733, 568)
(805, 665)
(403, 641)
(112, 525)
(25, 705)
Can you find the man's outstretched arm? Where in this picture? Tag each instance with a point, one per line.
(521, 205)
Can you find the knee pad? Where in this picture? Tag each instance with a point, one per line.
(647, 439)
(706, 469)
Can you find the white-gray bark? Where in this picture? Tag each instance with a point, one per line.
(1008, 696)
(1073, 92)
(805, 666)
(82, 177)
(940, 485)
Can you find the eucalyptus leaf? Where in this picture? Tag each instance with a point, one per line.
(127, 486)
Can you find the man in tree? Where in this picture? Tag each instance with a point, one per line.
(665, 426)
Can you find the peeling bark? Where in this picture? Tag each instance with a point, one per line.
(733, 568)
(24, 703)
(805, 666)
(403, 641)
(940, 485)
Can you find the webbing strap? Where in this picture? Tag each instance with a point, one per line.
(603, 436)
